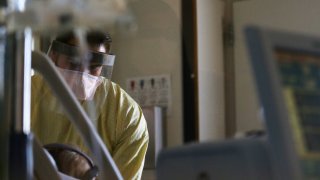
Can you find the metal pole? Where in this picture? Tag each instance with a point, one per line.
(18, 79)
(229, 69)
(17, 89)
(4, 123)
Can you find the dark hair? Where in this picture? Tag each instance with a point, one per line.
(93, 37)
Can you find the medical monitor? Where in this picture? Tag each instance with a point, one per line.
(286, 67)
(241, 159)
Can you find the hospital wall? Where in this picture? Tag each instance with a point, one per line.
(154, 48)
(291, 15)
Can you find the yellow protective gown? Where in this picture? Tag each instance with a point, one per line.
(118, 118)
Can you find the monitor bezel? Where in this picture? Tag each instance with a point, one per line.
(261, 43)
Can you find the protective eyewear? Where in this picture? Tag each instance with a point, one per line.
(74, 53)
(86, 58)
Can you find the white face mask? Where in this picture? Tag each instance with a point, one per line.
(82, 84)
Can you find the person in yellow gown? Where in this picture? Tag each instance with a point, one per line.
(118, 118)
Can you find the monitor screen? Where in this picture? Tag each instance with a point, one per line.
(299, 72)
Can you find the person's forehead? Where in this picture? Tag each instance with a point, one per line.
(101, 48)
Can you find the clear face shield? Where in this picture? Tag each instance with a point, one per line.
(84, 69)
(85, 58)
